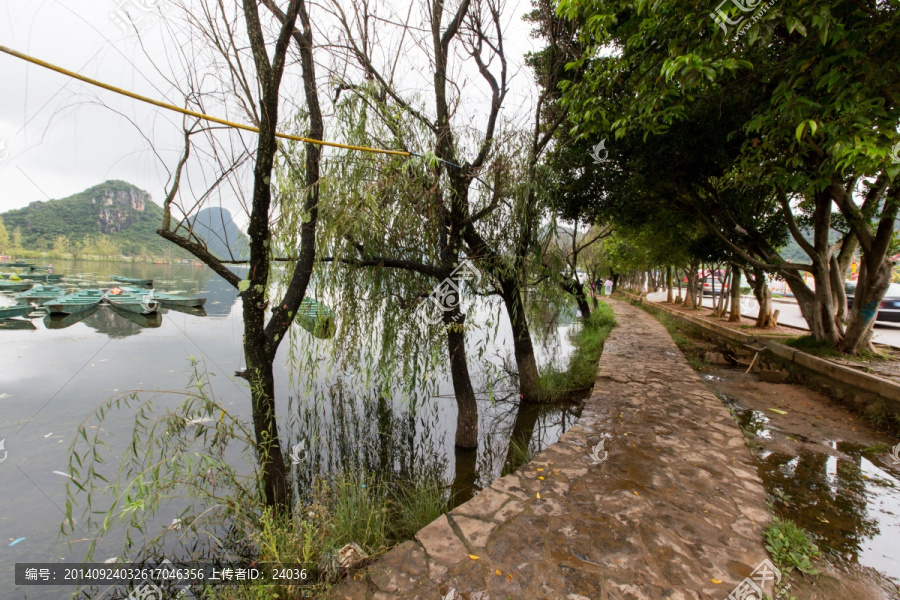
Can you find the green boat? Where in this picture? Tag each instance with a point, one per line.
(18, 264)
(41, 293)
(316, 318)
(128, 301)
(41, 277)
(77, 302)
(14, 311)
(14, 286)
(132, 281)
(171, 300)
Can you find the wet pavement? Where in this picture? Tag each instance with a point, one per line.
(652, 494)
(829, 472)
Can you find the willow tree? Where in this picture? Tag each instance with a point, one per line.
(250, 49)
(376, 66)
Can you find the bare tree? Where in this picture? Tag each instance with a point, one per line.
(257, 82)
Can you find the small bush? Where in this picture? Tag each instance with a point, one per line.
(791, 547)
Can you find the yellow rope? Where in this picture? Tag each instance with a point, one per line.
(191, 113)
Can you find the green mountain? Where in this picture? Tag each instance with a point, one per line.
(112, 219)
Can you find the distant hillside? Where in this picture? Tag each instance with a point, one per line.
(223, 237)
(114, 217)
(111, 219)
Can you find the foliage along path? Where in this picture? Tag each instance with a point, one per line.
(674, 510)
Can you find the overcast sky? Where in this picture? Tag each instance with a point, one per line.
(59, 136)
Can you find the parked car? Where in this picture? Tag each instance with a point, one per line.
(888, 310)
(708, 286)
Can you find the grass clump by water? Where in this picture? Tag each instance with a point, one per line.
(791, 547)
(559, 384)
(350, 508)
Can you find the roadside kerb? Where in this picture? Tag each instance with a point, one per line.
(839, 374)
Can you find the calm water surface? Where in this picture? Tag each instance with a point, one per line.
(54, 373)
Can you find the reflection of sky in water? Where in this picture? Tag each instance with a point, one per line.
(52, 379)
(848, 502)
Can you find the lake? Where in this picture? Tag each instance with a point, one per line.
(53, 374)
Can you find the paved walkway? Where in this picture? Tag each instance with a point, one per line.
(671, 510)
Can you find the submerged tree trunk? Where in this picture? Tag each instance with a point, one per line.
(735, 316)
(467, 407)
(274, 480)
(523, 349)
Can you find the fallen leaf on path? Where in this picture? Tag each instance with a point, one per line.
(716, 580)
(473, 557)
(777, 410)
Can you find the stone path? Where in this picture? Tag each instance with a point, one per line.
(670, 508)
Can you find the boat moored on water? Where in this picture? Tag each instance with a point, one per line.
(132, 281)
(15, 286)
(76, 302)
(41, 294)
(129, 301)
(11, 312)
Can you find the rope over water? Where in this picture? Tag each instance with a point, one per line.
(199, 115)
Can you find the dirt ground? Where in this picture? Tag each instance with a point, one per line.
(832, 474)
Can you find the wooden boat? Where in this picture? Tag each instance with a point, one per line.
(74, 303)
(40, 294)
(171, 300)
(19, 264)
(132, 280)
(15, 286)
(316, 318)
(128, 301)
(41, 276)
(14, 311)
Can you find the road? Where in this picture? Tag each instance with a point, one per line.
(885, 333)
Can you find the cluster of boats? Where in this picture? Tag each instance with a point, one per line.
(131, 297)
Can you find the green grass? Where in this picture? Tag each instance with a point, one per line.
(791, 547)
(348, 508)
(557, 383)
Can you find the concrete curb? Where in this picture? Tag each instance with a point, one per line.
(885, 388)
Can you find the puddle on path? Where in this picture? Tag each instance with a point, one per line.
(822, 468)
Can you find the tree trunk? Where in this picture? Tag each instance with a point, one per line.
(276, 488)
(615, 285)
(870, 289)
(467, 413)
(735, 316)
(529, 382)
(669, 285)
(679, 299)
